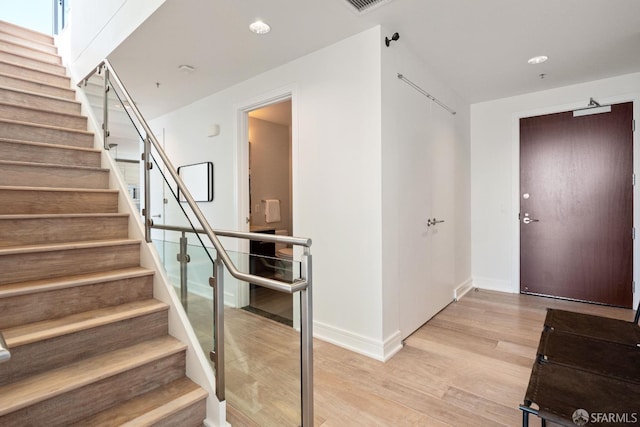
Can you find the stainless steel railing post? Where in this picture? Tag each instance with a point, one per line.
(306, 341)
(5, 354)
(217, 355)
(105, 108)
(148, 221)
(183, 258)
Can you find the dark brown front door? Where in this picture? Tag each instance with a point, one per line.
(576, 206)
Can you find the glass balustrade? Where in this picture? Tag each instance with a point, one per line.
(263, 309)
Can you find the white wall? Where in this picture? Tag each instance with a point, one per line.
(412, 125)
(270, 169)
(494, 171)
(102, 27)
(336, 174)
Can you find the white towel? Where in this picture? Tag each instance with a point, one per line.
(272, 210)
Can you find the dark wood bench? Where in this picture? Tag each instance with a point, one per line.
(585, 362)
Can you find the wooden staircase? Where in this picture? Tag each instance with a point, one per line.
(89, 343)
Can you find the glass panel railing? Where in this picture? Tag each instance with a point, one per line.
(262, 348)
(263, 302)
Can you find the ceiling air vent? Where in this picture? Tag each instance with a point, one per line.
(365, 5)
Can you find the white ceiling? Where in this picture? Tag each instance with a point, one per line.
(478, 47)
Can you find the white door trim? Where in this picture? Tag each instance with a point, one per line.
(242, 154)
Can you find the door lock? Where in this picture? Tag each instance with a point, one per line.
(528, 220)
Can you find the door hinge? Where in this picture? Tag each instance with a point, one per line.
(633, 233)
(633, 287)
(633, 125)
(633, 180)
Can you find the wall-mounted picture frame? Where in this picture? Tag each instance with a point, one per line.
(198, 178)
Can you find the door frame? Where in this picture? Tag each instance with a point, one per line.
(515, 190)
(242, 160)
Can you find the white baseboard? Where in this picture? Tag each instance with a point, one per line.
(374, 349)
(491, 284)
(462, 289)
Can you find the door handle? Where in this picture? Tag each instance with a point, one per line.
(434, 221)
(528, 220)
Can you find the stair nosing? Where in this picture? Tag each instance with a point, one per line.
(57, 146)
(53, 165)
(46, 285)
(40, 95)
(80, 322)
(52, 247)
(22, 46)
(72, 377)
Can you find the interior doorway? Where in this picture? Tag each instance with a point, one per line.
(271, 205)
(576, 206)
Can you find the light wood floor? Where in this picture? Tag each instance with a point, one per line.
(468, 366)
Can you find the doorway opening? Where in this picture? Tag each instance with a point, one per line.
(270, 205)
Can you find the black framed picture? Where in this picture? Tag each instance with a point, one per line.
(199, 181)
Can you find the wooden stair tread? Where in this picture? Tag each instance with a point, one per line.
(32, 43)
(61, 190)
(38, 94)
(149, 408)
(18, 65)
(49, 84)
(44, 144)
(43, 386)
(7, 27)
(40, 110)
(52, 58)
(38, 125)
(52, 165)
(66, 246)
(45, 285)
(68, 215)
(46, 329)
(55, 65)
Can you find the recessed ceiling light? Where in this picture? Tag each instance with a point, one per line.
(537, 59)
(260, 27)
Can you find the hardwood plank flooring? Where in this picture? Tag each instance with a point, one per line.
(469, 365)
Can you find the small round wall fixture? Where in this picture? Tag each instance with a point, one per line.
(259, 27)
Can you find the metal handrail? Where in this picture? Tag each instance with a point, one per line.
(5, 354)
(222, 258)
(228, 263)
